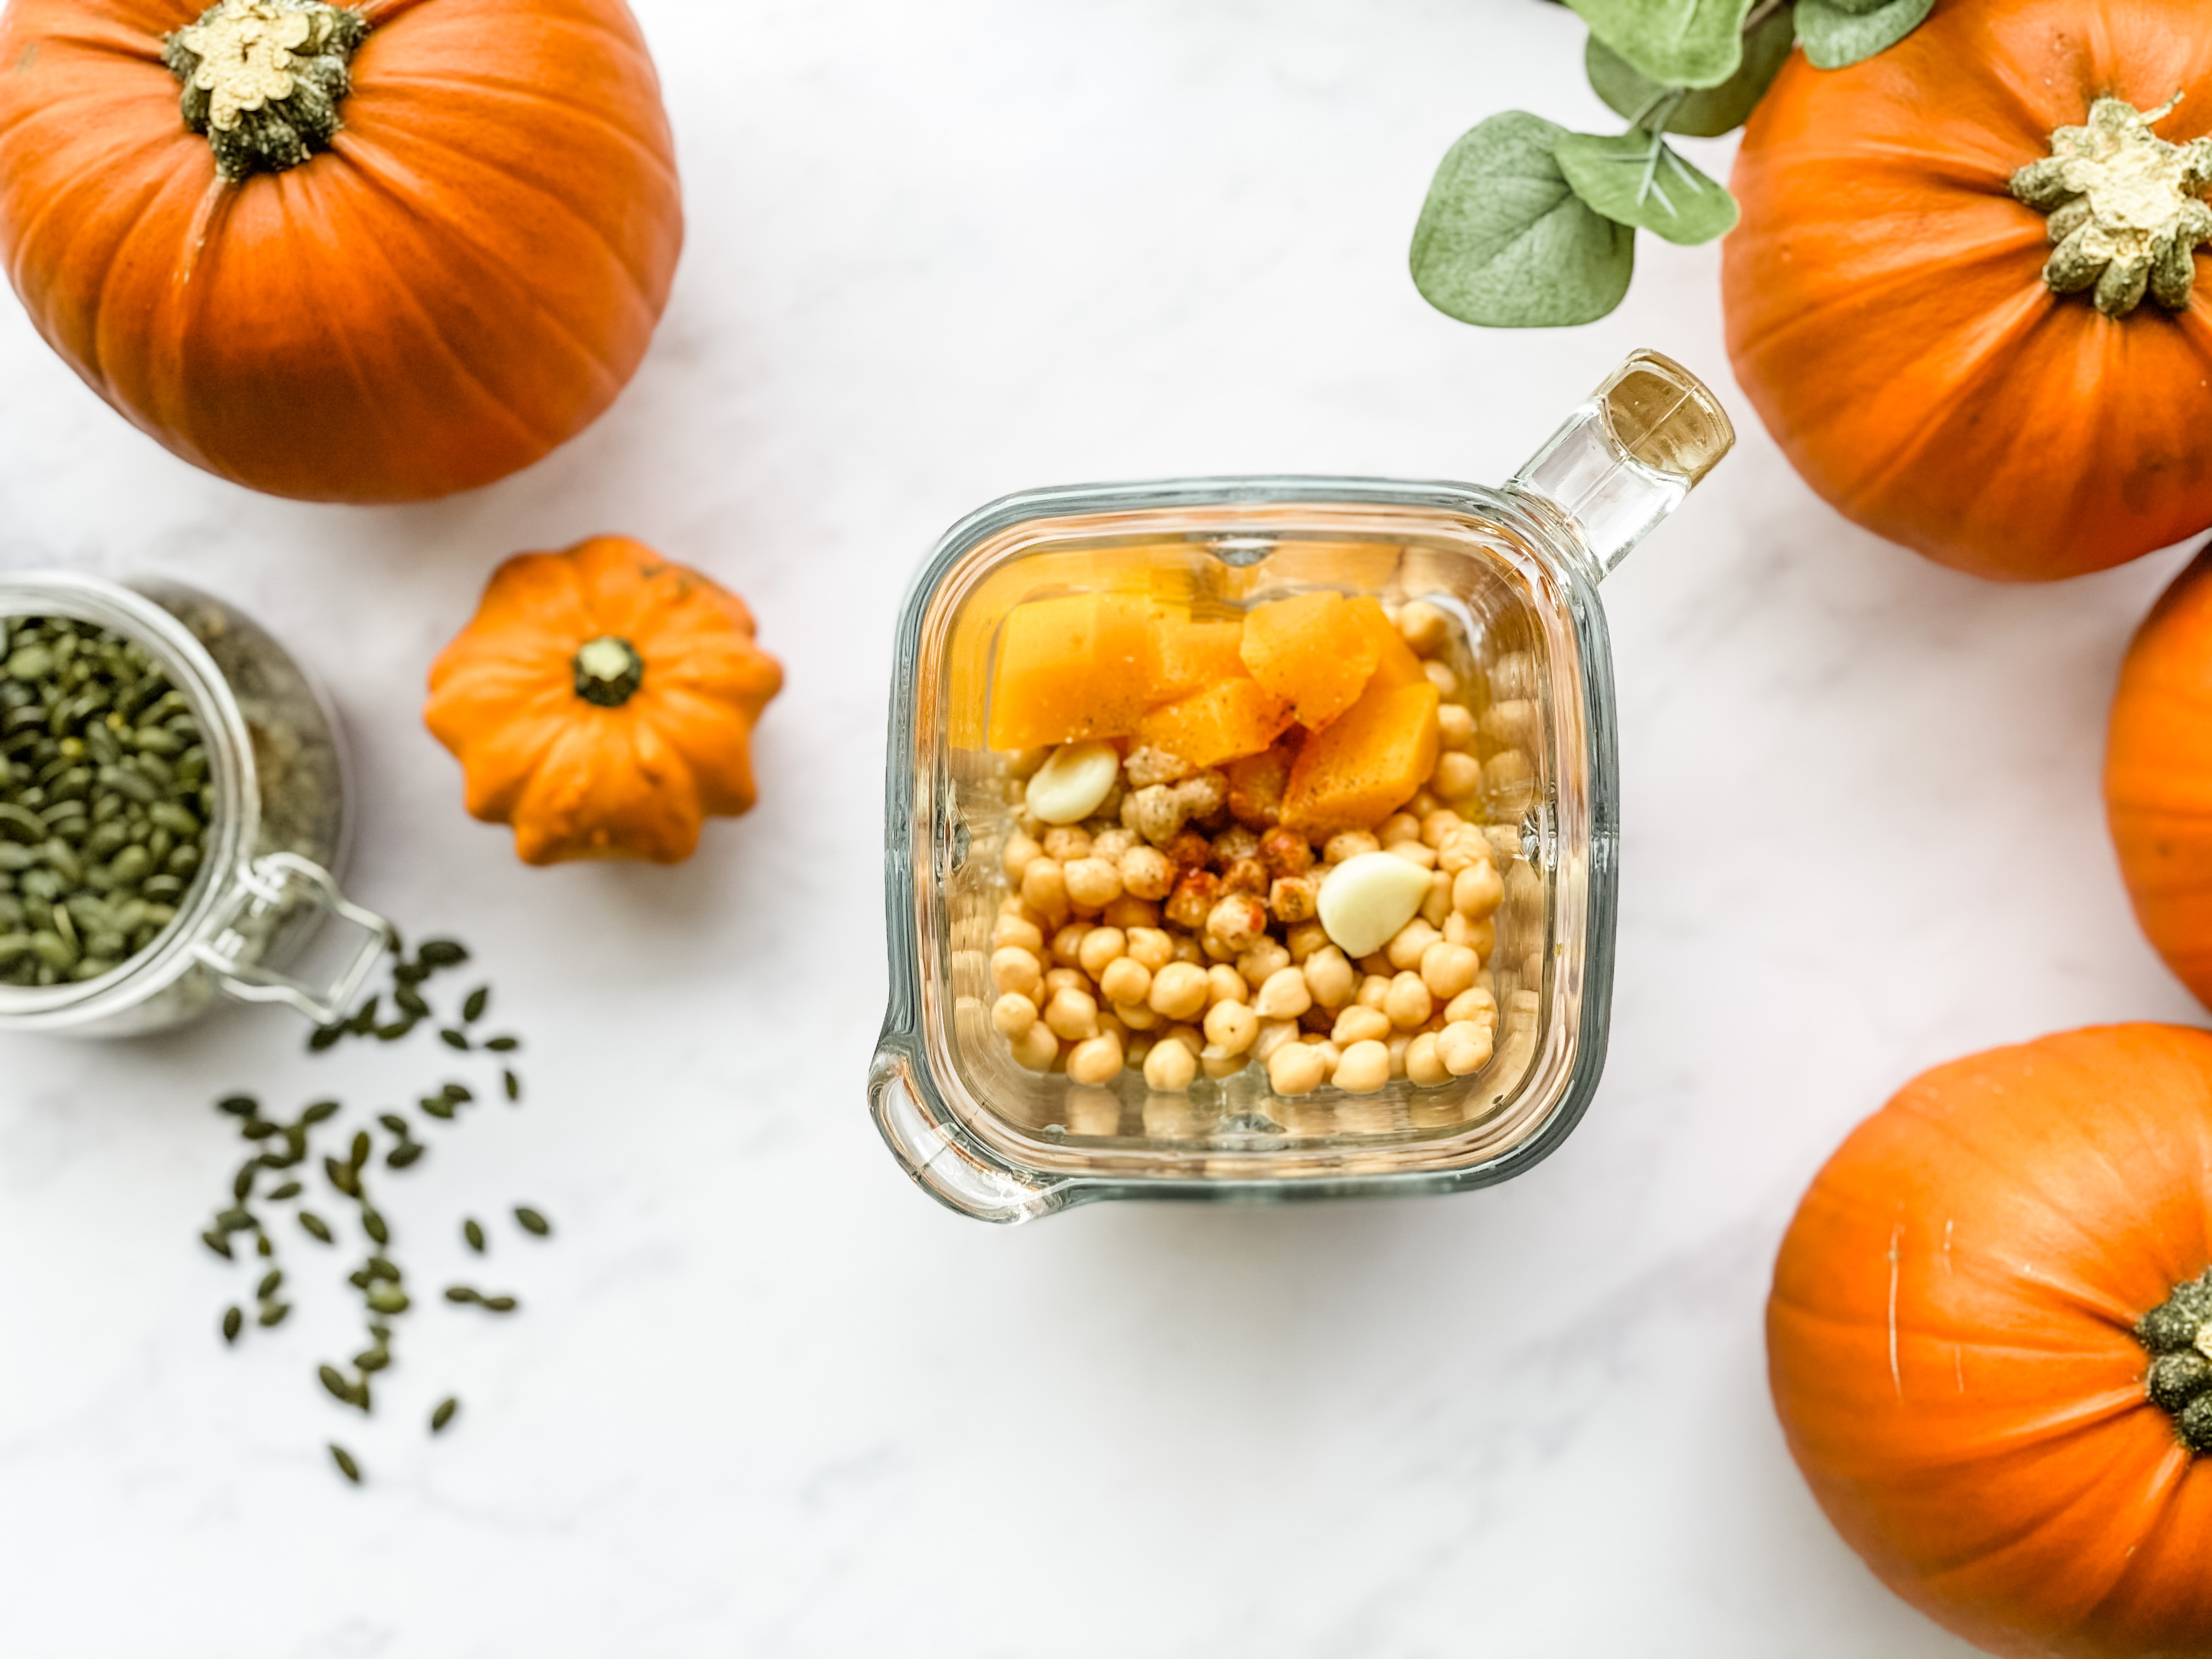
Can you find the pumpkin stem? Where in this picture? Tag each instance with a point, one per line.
(263, 79)
(2123, 206)
(608, 670)
(2178, 1335)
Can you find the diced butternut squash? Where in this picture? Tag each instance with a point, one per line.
(1317, 651)
(1070, 668)
(1366, 764)
(1395, 665)
(1232, 719)
(1195, 653)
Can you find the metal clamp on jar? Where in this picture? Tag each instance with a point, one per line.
(276, 823)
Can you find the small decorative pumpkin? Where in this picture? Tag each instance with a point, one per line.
(1963, 294)
(375, 253)
(2158, 776)
(602, 702)
(1990, 1341)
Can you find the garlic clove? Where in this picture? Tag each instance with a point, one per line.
(1367, 899)
(1074, 783)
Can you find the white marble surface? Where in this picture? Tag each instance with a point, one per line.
(768, 1400)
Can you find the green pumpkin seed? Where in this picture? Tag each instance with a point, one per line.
(322, 1111)
(512, 1084)
(316, 1226)
(218, 1244)
(290, 1189)
(388, 1299)
(453, 1039)
(500, 1304)
(274, 1314)
(443, 1415)
(473, 1009)
(343, 1459)
(372, 1359)
(475, 1235)
(401, 1157)
(233, 1321)
(269, 1281)
(373, 1224)
(442, 953)
(462, 1293)
(531, 1222)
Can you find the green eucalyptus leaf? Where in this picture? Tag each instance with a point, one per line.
(1837, 35)
(1636, 179)
(1708, 112)
(1504, 240)
(1677, 43)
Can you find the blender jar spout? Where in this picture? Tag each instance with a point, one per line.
(1629, 456)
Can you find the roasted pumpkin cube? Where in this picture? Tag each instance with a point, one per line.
(1395, 665)
(1227, 721)
(1367, 763)
(1317, 651)
(1078, 666)
(1195, 653)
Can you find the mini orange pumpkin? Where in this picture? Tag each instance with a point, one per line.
(603, 701)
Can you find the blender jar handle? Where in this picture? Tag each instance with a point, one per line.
(1629, 456)
(243, 924)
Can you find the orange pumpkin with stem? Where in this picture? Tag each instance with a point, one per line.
(1900, 316)
(376, 253)
(1988, 1342)
(602, 702)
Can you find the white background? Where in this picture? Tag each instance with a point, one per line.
(765, 1398)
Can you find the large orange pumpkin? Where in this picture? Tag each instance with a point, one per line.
(1970, 1314)
(602, 701)
(1890, 300)
(2158, 776)
(417, 244)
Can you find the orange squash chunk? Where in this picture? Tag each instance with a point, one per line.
(1395, 665)
(1317, 651)
(1366, 764)
(1223, 722)
(1072, 668)
(1196, 654)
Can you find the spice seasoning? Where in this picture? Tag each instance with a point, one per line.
(104, 801)
(284, 1147)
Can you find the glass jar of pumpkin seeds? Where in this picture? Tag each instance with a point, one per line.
(173, 806)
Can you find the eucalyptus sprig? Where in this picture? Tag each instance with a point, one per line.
(1528, 225)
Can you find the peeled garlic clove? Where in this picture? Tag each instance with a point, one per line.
(1074, 783)
(1366, 900)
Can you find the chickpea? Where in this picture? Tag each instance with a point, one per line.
(1284, 994)
(1113, 842)
(1126, 979)
(1246, 876)
(1067, 943)
(1015, 969)
(1097, 1061)
(1021, 852)
(1479, 937)
(1239, 921)
(1349, 844)
(1231, 1028)
(1424, 1068)
(1456, 725)
(1457, 775)
(1378, 964)
(1329, 1052)
(1225, 984)
(1407, 944)
(1448, 969)
(1295, 900)
(1463, 849)
(1196, 893)
(1285, 852)
(1464, 1048)
(1147, 873)
(1218, 1066)
(1328, 976)
(1073, 1015)
(1186, 950)
(1358, 1024)
(1477, 892)
(1443, 678)
(1304, 939)
(1475, 1004)
(1504, 843)
(1263, 961)
(1441, 825)
(1274, 1034)
(1044, 890)
(1013, 931)
(1057, 980)
(1092, 882)
(1217, 953)
(1031, 825)
(1409, 1003)
(1189, 1035)
(1296, 1068)
(1156, 812)
(1101, 948)
(1151, 948)
(1126, 913)
(1037, 1048)
(1424, 802)
(1178, 991)
(1067, 842)
(1414, 854)
(1365, 1069)
(1436, 908)
(1399, 826)
(1109, 1025)
(1172, 1066)
(1013, 1015)
(1426, 628)
(1398, 1045)
(1373, 990)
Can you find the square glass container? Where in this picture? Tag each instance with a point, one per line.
(1516, 570)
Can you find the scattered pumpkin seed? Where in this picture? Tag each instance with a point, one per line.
(478, 1001)
(218, 1244)
(443, 1415)
(500, 1304)
(442, 953)
(343, 1459)
(233, 1321)
(273, 1314)
(453, 1039)
(290, 1189)
(317, 1227)
(404, 1156)
(475, 1235)
(531, 1222)
(321, 1112)
(513, 1085)
(269, 1281)
(503, 1045)
(334, 1380)
(240, 1106)
(462, 1293)
(373, 1223)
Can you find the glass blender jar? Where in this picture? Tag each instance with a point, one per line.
(1516, 571)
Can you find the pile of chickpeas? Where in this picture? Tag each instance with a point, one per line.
(1175, 930)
